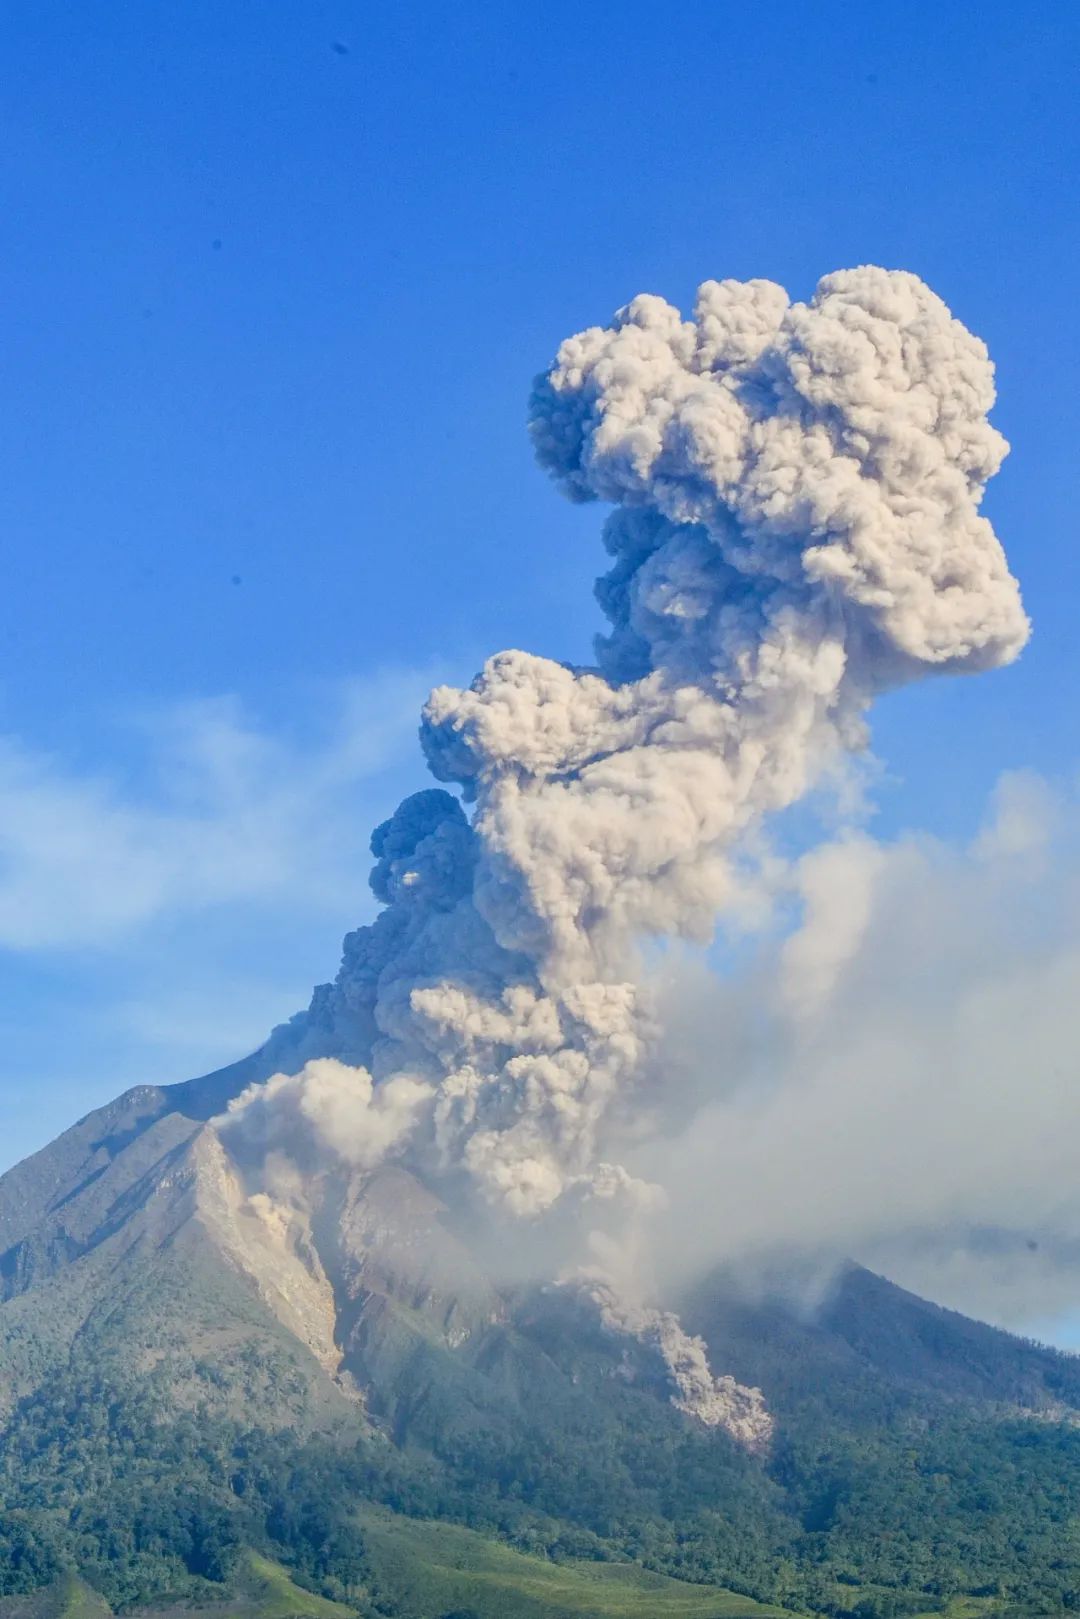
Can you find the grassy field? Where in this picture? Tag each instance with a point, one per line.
(441, 1571)
(67, 1598)
(264, 1589)
(261, 1590)
(436, 1569)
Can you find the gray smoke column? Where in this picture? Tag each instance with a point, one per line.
(797, 529)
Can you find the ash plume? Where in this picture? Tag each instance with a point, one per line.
(797, 530)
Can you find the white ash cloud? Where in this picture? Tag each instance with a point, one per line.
(328, 1107)
(896, 1079)
(797, 529)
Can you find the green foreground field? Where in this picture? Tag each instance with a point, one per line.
(67, 1598)
(434, 1569)
(260, 1589)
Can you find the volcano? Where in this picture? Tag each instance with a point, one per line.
(264, 1339)
(180, 1360)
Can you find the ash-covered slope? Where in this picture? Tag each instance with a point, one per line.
(139, 1214)
(135, 1236)
(130, 1242)
(362, 1273)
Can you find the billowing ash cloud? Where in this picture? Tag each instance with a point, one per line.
(797, 528)
(327, 1107)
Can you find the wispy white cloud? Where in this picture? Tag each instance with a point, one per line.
(158, 916)
(209, 807)
(198, 1023)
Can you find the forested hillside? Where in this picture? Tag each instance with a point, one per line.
(183, 1388)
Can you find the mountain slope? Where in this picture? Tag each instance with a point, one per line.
(869, 1341)
(187, 1368)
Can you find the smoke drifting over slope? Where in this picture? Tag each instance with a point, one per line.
(797, 529)
(896, 1077)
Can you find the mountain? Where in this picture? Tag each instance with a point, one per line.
(192, 1377)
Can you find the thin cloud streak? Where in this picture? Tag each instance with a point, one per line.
(219, 810)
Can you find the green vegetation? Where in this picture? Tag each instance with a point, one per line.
(165, 1437)
(439, 1568)
(257, 1589)
(883, 1520)
(68, 1597)
(262, 1589)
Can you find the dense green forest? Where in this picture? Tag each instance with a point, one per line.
(150, 1503)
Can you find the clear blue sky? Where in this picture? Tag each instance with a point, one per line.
(275, 279)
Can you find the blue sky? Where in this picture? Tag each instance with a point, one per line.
(275, 280)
